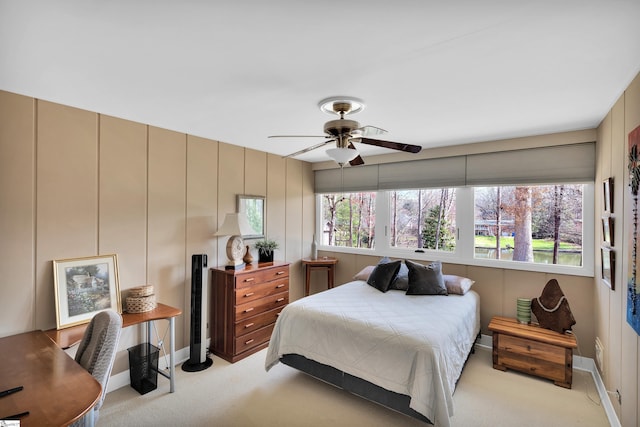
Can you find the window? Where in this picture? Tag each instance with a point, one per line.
(537, 224)
(534, 228)
(348, 219)
(423, 219)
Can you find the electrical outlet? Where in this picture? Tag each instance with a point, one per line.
(600, 355)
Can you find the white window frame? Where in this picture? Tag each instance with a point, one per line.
(464, 253)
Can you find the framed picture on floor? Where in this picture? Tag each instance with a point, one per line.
(84, 287)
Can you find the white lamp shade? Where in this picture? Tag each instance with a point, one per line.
(342, 155)
(235, 224)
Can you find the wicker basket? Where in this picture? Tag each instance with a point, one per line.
(141, 304)
(141, 291)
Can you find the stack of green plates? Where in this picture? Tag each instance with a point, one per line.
(524, 310)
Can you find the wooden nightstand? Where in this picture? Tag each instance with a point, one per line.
(533, 350)
(324, 263)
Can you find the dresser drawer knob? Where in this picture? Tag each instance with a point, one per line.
(248, 342)
(280, 300)
(248, 310)
(528, 348)
(249, 294)
(248, 325)
(281, 285)
(280, 273)
(250, 279)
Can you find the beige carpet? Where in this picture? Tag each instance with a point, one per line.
(244, 395)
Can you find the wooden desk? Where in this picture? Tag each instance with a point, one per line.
(323, 263)
(67, 337)
(57, 390)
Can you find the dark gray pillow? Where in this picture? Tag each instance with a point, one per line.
(382, 276)
(401, 282)
(425, 279)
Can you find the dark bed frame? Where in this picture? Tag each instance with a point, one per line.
(395, 401)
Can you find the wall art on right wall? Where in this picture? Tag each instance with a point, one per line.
(633, 298)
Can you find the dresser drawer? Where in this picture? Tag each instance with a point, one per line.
(253, 339)
(250, 278)
(252, 308)
(256, 322)
(261, 290)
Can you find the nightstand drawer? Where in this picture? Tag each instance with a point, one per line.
(530, 348)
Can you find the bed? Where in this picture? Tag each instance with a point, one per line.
(405, 352)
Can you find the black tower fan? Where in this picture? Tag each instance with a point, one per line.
(198, 359)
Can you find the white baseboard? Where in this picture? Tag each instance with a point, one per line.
(582, 364)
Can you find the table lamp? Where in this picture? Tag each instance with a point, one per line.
(234, 225)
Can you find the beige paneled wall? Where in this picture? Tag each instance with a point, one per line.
(630, 344)
(122, 193)
(17, 214)
(66, 195)
(77, 183)
(620, 341)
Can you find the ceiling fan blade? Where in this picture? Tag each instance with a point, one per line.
(389, 144)
(297, 136)
(358, 160)
(313, 147)
(369, 131)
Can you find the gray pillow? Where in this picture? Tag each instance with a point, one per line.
(401, 282)
(425, 279)
(382, 276)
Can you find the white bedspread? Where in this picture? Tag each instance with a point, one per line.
(410, 344)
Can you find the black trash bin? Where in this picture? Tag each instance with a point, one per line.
(143, 367)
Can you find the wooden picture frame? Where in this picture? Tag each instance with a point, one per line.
(608, 266)
(85, 286)
(607, 194)
(608, 231)
(254, 207)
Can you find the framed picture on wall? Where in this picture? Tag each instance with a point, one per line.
(608, 266)
(84, 287)
(607, 194)
(253, 207)
(608, 230)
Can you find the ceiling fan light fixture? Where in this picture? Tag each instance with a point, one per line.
(342, 155)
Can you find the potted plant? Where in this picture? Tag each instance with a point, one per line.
(265, 249)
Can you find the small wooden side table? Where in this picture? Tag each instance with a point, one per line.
(320, 263)
(533, 350)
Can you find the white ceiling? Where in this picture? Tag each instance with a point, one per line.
(433, 73)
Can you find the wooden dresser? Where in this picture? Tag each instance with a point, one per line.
(244, 307)
(533, 350)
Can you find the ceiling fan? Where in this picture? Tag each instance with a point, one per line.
(345, 132)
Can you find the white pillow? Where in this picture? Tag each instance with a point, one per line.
(456, 284)
(364, 273)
